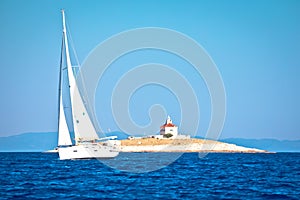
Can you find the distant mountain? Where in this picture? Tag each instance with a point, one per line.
(32, 142)
(38, 142)
(267, 144)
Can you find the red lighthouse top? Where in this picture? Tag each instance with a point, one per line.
(168, 123)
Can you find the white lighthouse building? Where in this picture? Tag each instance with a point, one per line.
(169, 128)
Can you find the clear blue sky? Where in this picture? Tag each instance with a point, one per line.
(255, 44)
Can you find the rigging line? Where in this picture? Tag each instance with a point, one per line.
(72, 44)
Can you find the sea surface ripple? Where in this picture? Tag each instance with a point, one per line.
(216, 176)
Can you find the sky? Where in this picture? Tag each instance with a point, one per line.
(255, 45)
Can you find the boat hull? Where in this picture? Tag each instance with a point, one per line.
(88, 151)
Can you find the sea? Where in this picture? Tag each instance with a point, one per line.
(190, 176)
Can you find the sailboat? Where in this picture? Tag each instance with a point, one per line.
(87, 143)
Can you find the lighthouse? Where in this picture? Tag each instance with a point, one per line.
(169, 128)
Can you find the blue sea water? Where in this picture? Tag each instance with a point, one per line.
(216, 176)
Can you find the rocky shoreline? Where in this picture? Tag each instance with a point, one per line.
(183, 145)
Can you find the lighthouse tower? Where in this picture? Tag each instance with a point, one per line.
(169, 128)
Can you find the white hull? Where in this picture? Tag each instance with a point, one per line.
(88, 151)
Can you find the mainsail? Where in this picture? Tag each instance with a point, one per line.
(63, 131)
(64, 138)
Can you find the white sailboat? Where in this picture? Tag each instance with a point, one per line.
(87, 143)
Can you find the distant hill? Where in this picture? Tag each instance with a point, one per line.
(32, 142)
(267, 144)
(38, 142)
